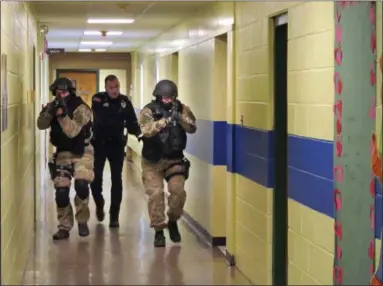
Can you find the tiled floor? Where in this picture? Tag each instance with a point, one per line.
(125, 256)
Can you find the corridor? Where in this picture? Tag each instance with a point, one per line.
(123, 256)
(286, 176)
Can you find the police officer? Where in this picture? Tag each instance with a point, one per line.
(112, 112)
(164, 123)
(69, 118)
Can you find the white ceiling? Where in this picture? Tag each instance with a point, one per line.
(67, 21)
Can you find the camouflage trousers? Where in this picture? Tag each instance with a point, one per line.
(153, 175)
(82, 171)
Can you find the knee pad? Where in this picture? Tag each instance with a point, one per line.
(82, 188)
(62, 197)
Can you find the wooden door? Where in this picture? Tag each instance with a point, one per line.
(86, 83)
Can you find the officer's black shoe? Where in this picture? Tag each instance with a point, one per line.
(159, 239)
(83, 229)
(61, 234)
(100, 214)
(174, 233)
(114, 223)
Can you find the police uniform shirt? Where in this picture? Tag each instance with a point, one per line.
(111, 115)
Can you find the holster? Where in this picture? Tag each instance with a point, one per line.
(52, 169)
(185, 163)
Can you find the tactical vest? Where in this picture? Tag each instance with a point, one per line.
(169, 143)
(109, 120)
(61, 141)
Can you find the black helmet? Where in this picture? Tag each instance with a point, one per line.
(62, 83)
(165, 87)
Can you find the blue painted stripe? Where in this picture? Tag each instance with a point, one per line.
(249, 152)
(209, 142)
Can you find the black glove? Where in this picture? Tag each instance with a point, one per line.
(175, 117)
(51, 108)
(61, 103)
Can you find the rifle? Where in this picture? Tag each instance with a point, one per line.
(175, 113)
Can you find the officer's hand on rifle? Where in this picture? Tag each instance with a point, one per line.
(61, 106)
(175, 117)
(51, 108)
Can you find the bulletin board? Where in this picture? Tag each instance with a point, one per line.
(354, 125)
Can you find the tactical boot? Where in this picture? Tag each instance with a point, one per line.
(61, 234)
(83, 229)
(174, 233)
(114, 223)
(159, 239)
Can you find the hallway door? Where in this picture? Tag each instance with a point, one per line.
(86, 82)
(280, 212)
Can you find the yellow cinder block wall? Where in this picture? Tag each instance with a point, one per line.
(201, 68)
(378, 96)
(310, 94)
(18, 35)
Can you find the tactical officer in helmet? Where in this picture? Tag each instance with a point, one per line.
(164, 123)
(113, 113)
(69, 119)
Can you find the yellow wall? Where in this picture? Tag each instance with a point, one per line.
(378, 96)
(18, 34)
(201, 88)
(310, 93)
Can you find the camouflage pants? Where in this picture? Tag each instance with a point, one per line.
(82, 167)
(153, 179)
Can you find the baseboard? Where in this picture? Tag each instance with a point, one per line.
(191, 223)
(201, 232)
(230, 259)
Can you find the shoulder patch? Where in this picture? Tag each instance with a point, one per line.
(96, 99)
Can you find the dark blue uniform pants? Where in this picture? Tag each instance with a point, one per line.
(114, 152)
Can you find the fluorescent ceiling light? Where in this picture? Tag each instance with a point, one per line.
(96, 43)
(197, 33)
(161, 50)
(98, 33)
(84, 50)
(100, 50)
(226, 22)
(178, 42)
(110, 21)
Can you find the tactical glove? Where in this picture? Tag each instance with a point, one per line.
(51, 108)
(61, 103)
(175, 117)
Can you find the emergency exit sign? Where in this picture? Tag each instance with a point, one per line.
(55, 51)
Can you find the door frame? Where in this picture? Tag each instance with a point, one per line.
(280, 195)
(96, 71)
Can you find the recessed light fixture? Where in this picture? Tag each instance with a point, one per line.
(178, 42)
(99, 33)
(84, 50)
(161, 50)
(197, 33)
(100, 50)
(96, 43)
(110, 21)
(226, 21)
